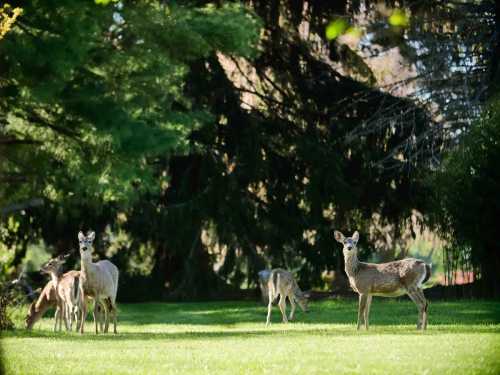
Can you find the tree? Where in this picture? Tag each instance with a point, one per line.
(91, 98)
(466, 200)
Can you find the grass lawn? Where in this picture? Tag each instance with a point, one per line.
(231, 338)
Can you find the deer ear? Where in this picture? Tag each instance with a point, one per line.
(81, 236)
(91, 235)
(355, 236)
(339, 236)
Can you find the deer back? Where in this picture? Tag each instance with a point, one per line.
(100, 278)
(388, 279)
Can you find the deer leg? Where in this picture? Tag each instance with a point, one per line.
(282, 305)
(56, 316)
(69, 317)
(269, 307)
(361, 308)
(293, 304)
(425, 304)
(83, 316)
(367, 310)
(98, 317)
(66, 315)
(105, 316)
(412, 293)
(109, 311)
(76, 310)
(60, 310)
(95, 313)
(115, 313)
(83, 312)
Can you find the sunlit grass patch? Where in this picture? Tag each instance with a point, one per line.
(231, 338)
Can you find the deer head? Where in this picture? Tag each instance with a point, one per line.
(86, 246)
(303, 300)
(54, 265)
(349, 243)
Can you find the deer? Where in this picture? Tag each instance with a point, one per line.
(66, 289)
(263, 281)
(392, 279)
(99, 279)
(47, 299)
(283, 283)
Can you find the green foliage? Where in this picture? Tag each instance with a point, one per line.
(231, 338)
(97, 98)
(466, 195)
(151, 121)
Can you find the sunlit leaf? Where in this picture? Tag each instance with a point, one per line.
(104, 2)
(336, 28)
(399, 18)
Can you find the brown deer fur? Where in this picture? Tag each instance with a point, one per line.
(282, 283)
(391, 279)
(47, 300)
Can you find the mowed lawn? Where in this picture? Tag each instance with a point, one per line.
(463, 337)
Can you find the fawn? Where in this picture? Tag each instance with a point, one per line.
(66, 290)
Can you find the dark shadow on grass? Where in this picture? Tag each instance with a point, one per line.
(383, 312)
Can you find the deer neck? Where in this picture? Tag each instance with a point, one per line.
(85, 265)
(55, 279)
(351, 262)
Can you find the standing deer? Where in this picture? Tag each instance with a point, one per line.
(66, 292)
(283, 283)
(390, 279)
(98, 279)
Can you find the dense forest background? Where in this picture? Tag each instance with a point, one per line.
(205, 141)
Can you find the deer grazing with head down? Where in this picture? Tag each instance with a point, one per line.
(282, 283)
(390, 279)
(66, 292)
(45, 301)
(98, 279)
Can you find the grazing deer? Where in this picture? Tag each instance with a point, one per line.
(45, 301)
(48, 299)
(390, 279)
(283, 283)
(98, 279)
(66, 292)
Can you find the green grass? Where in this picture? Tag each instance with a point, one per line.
(231, 338)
